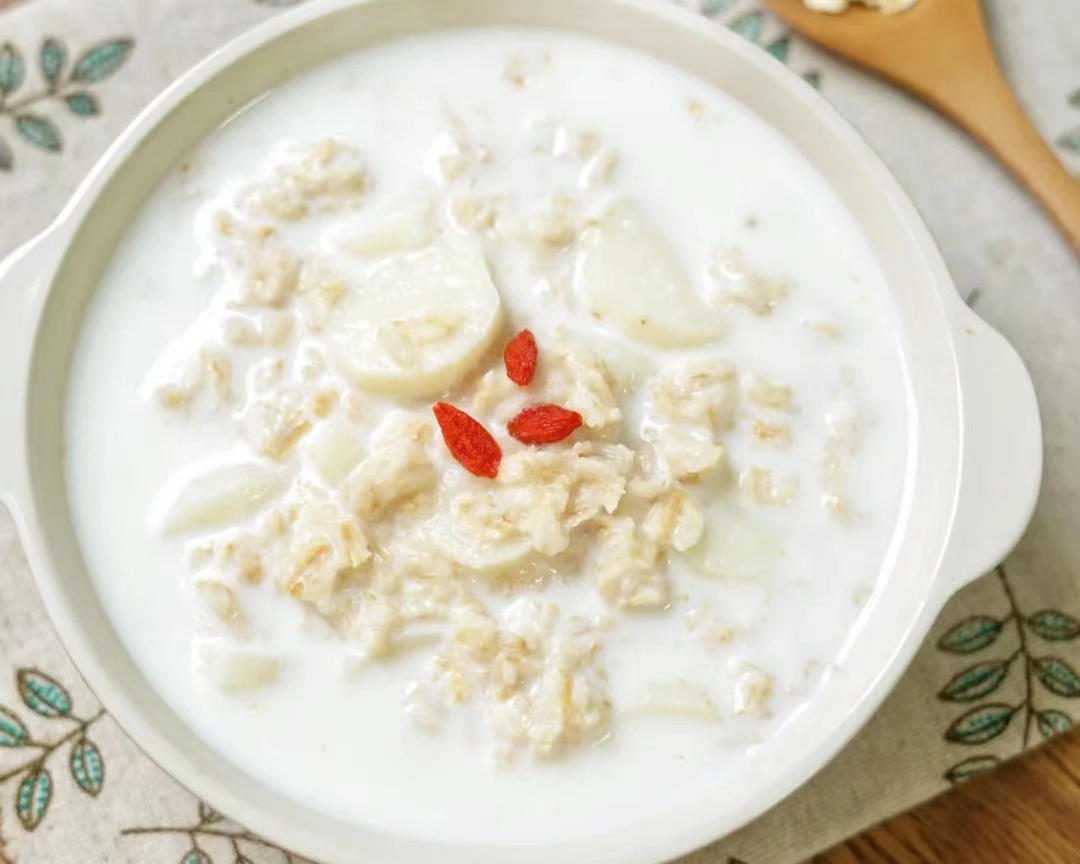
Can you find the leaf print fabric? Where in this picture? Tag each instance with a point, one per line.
(33, 797)
(87, 766)
(12, 731)
(971, 768)
(54, 58)
(1053, 722)
(1054, 626)
(51, 702)
(976, 682)
(1069, 141)
(12, 69)
(972, 634)
(64, 84)
(981, 724)
(100, 62)
(42, 694)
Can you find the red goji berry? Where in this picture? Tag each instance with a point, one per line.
(468, 441)
(520, 357)
(544, 424)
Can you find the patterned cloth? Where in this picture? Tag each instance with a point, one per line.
(997, 674)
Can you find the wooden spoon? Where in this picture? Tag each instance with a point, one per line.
(941, 52)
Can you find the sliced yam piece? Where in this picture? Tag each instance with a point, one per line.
(491, 558)
(629, 276)
(235, 668)
(493, 555)
(679, 698)
(418, 323)
(479, 527)
(736, 546)
(333, 450)
(408, 227)
(215, 497)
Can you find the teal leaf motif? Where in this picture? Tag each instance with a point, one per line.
(12, 731)
(981, 724)
(103, 60)
(1074, 99)
(7, 158)
(12, 69)
(83, 104)
(972, 767)
(748, 25)
(712, 8)
(54, 57)
(813, 79)
(87, 766)
(1057, 676)
(1070, 140)
(975, 682)
(971, 635)
(779, 48)
(208, 814)
(1054, 626)
(42, 133)
(1053, 722)
(196, 856)
(41, 694)
(32, 798)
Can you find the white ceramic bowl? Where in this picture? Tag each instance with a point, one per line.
(974, 426)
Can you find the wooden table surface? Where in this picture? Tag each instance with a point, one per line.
(1026, 812)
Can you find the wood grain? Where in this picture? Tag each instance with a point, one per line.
(940, 50)
(1026, 812)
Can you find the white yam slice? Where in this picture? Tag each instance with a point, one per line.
(409, 227)
(418, 323)
(333, 450)
(736, 546)
(235, 668)
(220, 496)
(480, 530)
(493, 556)
(629, 276)
(680, 698)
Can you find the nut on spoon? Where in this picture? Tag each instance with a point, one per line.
(940, 51)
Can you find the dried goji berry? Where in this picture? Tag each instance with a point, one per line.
(468, 441)
(520, 357)
(543, 424)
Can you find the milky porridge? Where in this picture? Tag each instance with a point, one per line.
(487, 421)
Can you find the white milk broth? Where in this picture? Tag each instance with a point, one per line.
(696, 685)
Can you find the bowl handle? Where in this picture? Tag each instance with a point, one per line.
(1001, 449)
(24, 276)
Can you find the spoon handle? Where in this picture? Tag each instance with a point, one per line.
(961, 77)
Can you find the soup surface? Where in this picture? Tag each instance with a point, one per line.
(627, 547)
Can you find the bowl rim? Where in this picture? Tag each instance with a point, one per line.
(128, 713)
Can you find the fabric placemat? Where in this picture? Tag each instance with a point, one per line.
(997, 675)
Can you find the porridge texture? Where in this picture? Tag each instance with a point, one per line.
(453, 440)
